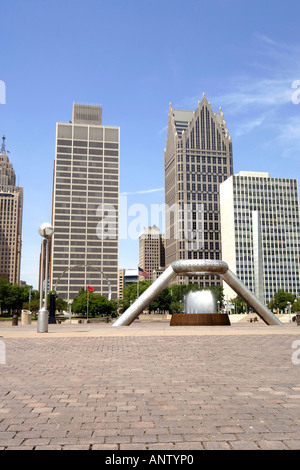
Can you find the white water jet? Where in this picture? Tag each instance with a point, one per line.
(200, 302)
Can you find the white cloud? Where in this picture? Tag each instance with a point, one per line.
(248, 126)
(252, 94)
(288, 137)
(145, 191)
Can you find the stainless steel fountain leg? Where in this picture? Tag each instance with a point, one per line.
(265, 314)
(146, 298)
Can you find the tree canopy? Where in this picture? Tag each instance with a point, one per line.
(96, 303)
(281, 299)
(12, 296)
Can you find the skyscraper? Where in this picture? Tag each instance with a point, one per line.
(151, 250)
(85, 195)
(11, 211)
(198, 157)
(261, 232)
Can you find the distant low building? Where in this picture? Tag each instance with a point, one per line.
(126, 277)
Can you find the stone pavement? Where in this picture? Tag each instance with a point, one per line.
(150, 386)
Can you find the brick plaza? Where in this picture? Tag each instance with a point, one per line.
(150, 386)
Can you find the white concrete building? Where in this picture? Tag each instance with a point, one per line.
(260, 232)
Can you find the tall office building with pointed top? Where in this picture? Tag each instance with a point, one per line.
(85, 188)
(11, 212)
(198, 157)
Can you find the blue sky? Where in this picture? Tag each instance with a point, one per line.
(135, 57)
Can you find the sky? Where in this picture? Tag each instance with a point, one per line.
(134, 57)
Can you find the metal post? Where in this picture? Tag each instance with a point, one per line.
(46, 273)
(263, 312)
(145, 298)
(87, 305)
(46, 231)
(70, 310)
(43, 316)
(42, 272)
(289, 310)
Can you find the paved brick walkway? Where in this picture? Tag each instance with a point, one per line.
(130, 392)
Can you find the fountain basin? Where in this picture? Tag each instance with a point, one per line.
(200, 319)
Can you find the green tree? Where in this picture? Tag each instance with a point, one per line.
(280, 300)
(13, 296)
(162, 302)
(98, 304)
(130, 293)
(296, 305)
(4, 294)
(240, 306)
(176, 307)
(217, 293)
(34, 303)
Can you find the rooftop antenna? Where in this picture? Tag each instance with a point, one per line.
(3, 144)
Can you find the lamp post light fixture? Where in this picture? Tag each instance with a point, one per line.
(46, 231)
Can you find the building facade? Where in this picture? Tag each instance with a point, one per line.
(84, 248)
(11, 212)
(261, 232)
(198, 158)
(126, 277)
(151, 251)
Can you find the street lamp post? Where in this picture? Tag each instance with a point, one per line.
(70, 309)
(289, 310)
(46, 231)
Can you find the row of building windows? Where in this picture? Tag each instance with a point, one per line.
(83, 143)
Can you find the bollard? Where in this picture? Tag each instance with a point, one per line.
(26, 318)
(42, 323)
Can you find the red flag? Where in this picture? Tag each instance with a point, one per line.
(91, 289)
